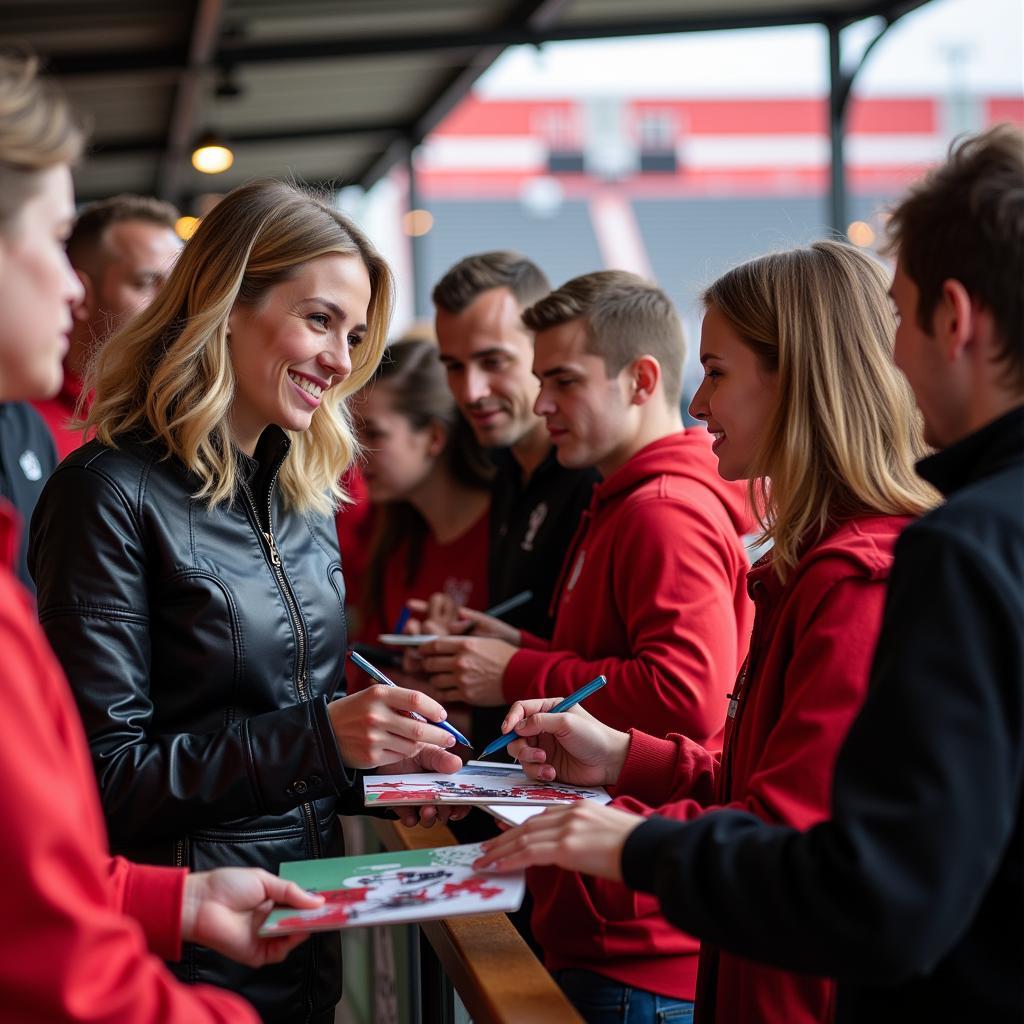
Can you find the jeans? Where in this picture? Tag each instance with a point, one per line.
(601, 1000)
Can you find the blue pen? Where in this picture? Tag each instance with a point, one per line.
(376, 673)
(403, 618)
(581, 694)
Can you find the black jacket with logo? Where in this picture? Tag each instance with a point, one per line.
(202, 647)
(27, 458)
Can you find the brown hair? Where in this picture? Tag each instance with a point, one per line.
(625, 317)
(93, 220)
(475, 275)
(845, 434)
(37, 132)
(417, 380)
(965, 220)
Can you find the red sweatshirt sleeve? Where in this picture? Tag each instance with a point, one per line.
(68, 949)
(673, 585)
(824, 687)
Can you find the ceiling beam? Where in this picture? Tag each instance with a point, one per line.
(181, 127)
(468, 42)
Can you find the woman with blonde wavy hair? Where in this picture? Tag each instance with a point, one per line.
(188, 571)
(803, 400)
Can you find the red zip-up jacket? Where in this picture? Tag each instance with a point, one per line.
(654, 597)
(82, 931)
(804, 683)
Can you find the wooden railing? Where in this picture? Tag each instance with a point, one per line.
(494, 971)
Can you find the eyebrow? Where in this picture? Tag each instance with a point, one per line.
(709, 355)
(555, 371)
(335, 309)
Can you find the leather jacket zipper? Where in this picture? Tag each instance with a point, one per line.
(301, 680)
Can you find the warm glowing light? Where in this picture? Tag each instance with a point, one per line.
(417, 222)
(860, 233)
(185, 227)
(211, 156)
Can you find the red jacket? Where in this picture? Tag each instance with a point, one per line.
(654, 597)
(805, 681)
(58, 412)
(82, 931)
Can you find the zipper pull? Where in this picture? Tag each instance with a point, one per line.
(275, 558)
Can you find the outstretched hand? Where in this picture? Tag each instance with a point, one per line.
(571, 746)
(585, 837)
(225, 908)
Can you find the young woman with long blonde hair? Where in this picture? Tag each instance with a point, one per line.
(188, 570)
(803, 399)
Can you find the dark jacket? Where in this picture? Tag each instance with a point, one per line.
(27, 458)
(202, 648)
(911, 893)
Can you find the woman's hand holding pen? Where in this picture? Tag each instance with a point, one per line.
(572, 746)
(585, 837)
(373, 727)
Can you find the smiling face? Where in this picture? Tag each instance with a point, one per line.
(737, 397)
(294, 345)
(398, 456)
(487, 353)
(588, 414)
(37, 289)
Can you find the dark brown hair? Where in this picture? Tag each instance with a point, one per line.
(625, 316)
(965, 220)
(417, 381)
(474, 275)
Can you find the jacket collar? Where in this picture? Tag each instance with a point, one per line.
(978, 455)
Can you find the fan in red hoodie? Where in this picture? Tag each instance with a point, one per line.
(784, 407)
(652, 592)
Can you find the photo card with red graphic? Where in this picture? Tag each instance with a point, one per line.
(477, 783)
(395, 888)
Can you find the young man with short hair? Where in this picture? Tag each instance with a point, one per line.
(652, 593)
(122, 250)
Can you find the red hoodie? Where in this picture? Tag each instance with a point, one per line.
(805, 681)
(654, 597)
(83, 931)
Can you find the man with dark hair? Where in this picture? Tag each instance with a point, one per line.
(536, 503)
(122, 249)
(910, 894)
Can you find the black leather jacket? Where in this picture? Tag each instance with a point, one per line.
(202, 648)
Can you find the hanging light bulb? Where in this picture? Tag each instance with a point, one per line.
(211, 155)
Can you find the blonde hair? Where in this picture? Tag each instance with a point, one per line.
(845, 432)
(37, 132)
(168, 371)
(625, 317)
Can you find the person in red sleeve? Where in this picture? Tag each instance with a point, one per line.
(797, 354)
(652, 596)
(83, 931)
(121, 249)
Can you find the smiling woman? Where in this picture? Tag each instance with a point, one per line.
(188, 572)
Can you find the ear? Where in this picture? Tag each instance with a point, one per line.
(645, 376)
(437, 438)
(83, 311)
(954, 322)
